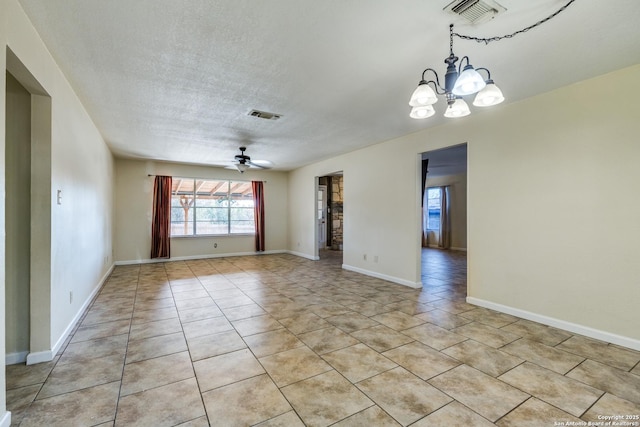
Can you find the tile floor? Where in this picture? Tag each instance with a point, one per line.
(278, 340)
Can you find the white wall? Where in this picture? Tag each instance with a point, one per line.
(82, 167)
(552, 206)
(134, 198)
(458, 209)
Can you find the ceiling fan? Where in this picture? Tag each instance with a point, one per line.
(244, 162)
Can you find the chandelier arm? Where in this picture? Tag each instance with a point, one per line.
(439, 90)
(436, 83)
(487, 40)
(488, 72)
(460, 66)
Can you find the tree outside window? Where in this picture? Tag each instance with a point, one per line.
(202, 207)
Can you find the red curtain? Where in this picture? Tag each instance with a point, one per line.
(161, 222)
(258, 210)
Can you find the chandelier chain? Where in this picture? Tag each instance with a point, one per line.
(451, 39)
(508, 36)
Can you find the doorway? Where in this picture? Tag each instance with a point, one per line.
(17, 220)
(329, 216)
(444, 207)
(27, 210)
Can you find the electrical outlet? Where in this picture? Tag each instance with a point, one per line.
(70, 297)
(364, 257)
(215, 245)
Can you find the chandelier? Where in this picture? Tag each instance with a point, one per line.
(458, 82)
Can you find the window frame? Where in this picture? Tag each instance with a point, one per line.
(228, 207)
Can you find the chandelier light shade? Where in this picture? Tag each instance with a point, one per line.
(469, 82)
(458, 108)
(423, 95)
(458, 82)
(490, 95)
(422, 112)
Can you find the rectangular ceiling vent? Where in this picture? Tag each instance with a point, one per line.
(475, 11)
(264, 115)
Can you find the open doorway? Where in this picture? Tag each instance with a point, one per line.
(27, 208)
(444, 226)
(329, 216)
(17, 220)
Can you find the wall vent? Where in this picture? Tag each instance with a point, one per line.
(264, 115)
(475, 11)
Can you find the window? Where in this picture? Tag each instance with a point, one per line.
(203, 207)
(433, 208)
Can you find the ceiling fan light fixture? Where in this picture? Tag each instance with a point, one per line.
(489, 96)
(242, 167)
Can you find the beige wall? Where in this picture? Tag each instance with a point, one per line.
(552, 208)
(458, 204)
(134, 197)
(79, 242)
(381, 215)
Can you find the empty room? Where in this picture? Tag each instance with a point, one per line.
(336, 213)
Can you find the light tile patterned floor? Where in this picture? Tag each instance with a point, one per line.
(278, 340)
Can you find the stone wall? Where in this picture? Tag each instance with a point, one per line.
(337, 190)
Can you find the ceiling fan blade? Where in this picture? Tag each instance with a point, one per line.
(262, 164)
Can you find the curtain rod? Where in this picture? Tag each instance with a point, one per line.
(210, 179)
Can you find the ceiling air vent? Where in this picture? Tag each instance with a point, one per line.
(264, 115)
(475, 11)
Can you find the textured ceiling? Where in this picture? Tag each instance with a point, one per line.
(174, 80)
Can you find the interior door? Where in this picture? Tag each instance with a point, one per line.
(322, 216)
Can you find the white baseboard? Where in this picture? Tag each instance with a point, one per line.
(39, 357)
(560, 324)
(5, 421)
(48, 355)
(203, 256)
(15, 358)
(303, 255)
(415, 285)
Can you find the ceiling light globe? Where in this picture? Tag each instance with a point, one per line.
(422, 112)
(423, 95)
(489, 96)
(242, 167)
(468, 82)
(458, 109)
